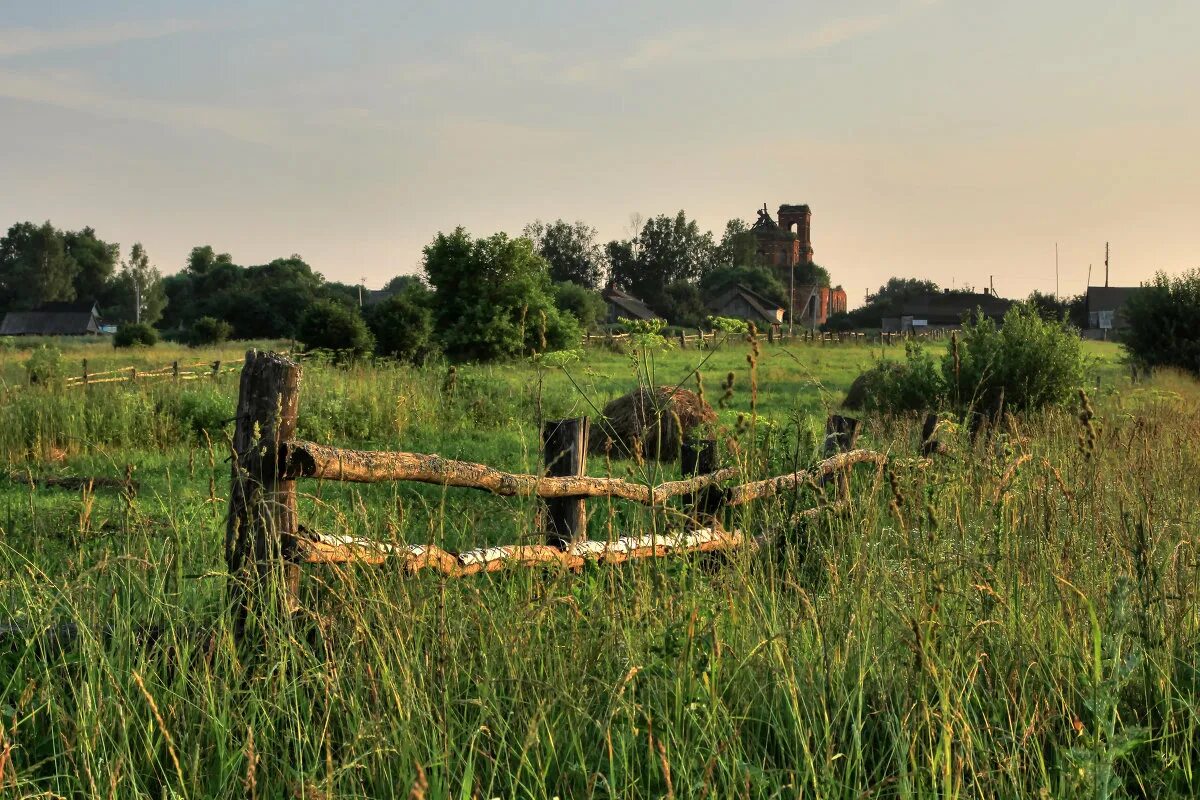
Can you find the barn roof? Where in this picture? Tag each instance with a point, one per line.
(951, 307)
(50, 323)
(766, 309)
(627, 303)
(1108, 298)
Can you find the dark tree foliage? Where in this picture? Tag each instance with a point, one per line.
(683, 304)
(807, 274)
(1056, 309)
(1164, 322)
(887, 301)
(585, 305)
(493, 298)
(738, 247)
(403, 324)
(96, 261)
(35, 266)
(401, 282)
(328, 325)
(571, 251)
(666, 250)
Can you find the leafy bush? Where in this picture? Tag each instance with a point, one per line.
(206, 412)
(332, 326)
(1164, 322)
(914, 384)
(1032, 361)
(135, 334)
(403, 325)
(208, 331)
(44, 365)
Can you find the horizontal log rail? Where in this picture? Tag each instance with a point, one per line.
(301, 459)
(317, 548)
(310, 460)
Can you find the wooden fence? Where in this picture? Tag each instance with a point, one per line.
(265, 539)
(701, 340)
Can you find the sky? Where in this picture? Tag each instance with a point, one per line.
(953, 140)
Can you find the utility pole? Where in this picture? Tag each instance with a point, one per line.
(137, 299)
(1106, 265)
(361, 282)
(1056, 270)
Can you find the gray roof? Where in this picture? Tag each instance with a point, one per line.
(49, 323)
(1108, 298)
(628, 305)
(767, 310)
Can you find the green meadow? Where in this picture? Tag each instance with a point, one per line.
(1016, 617)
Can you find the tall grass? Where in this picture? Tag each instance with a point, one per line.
(1017, 617)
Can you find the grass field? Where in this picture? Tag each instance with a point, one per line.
(1017, 618)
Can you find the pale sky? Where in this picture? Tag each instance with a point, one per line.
(947, 139)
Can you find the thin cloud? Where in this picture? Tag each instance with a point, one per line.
(26, 41)
(723, 45)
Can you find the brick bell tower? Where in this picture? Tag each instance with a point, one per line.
(797, 219)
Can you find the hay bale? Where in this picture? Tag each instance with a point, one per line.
(660, 420)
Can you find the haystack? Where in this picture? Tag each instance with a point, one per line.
(660, 420)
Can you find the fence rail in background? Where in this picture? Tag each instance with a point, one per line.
(264, 538)
(702, 340)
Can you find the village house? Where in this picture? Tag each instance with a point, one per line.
(1104, 307)
(945, 309)
(619, 303)
(54, 319)
(741, 302)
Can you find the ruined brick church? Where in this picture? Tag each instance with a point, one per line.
(786, 247)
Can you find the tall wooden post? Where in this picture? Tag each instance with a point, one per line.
(564, 446)
(929, 444)
(260, 534)
(699, 457)
(175, 370)
(216, 368)
(85, 374)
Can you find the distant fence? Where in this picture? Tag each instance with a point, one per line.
(264, 536)
(204, 370)
(701, 340)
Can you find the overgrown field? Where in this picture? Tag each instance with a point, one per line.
(1015, 617)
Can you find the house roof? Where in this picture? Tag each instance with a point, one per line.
(1108, 298)
(627, 303)
(768, 310)
(951, 307)
(49, 323)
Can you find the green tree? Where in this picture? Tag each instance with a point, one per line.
(35, 266)
(208, 331)
(585, 305)
(1164, 322)
(327, 325)
(1049, 307)
(493, 298)
(401, 282)
(96, 261)
(203, 259)
(135, 334)
(570, 250)
(664, 251)
(683, 305)
(403, 324)
(137, 293)
(738, 247)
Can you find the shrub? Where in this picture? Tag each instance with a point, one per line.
(135, 334)
(580, 302)
(403, 325)
(1034, 362)
(332, 326)
(1164, 322)
(208, 331)
(914, 384)
(44, 365)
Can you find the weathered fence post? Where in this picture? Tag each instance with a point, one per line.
(132, 374)
(216, 368)
(564, 446)
(929, 444)
(260, 535)
(699, 457)
(841, 434)
(175, 370)
(85, 374)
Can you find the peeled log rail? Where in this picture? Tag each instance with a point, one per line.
(327, 549)
(757, 490)
(311, 460)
